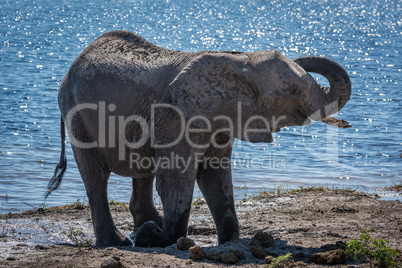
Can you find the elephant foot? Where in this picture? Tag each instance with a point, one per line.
(155, 217)
(149, 235)
(229, 231)
(116, 239)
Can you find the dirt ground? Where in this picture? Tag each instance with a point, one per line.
(302, 222)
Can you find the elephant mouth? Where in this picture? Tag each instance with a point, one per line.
(296, 118)
(302, 117)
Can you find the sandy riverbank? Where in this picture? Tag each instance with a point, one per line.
(301, 222)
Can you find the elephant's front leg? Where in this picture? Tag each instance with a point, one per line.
(175, 187)
(215, 181)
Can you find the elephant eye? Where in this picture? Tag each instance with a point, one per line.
(294, 90)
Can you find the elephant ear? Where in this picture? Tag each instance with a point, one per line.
(213, 86)
(209, 86)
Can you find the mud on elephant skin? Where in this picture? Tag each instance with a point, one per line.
(141, 111)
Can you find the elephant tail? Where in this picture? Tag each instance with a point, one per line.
(61, 167)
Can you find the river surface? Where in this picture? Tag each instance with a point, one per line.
(40, 39)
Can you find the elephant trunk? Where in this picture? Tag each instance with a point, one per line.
(332, 98)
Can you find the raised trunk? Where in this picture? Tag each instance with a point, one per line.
(334, 97)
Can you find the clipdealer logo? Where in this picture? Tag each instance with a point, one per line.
(114, 128)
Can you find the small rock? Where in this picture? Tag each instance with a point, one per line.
(215, 257)
(148, 235)
(262, 239)
(337, 256)
(113, 262)
(41, 247)
(11, 259)
(229, 258)
(184, 243)
(239, 254)
(268, 259)
(21, 245)
(197, 253)
(80, 206)
(259, 252)
(41, 210)
(292, 263)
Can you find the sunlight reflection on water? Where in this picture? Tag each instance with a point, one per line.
(39, 41)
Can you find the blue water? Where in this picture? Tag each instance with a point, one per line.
(40, 39)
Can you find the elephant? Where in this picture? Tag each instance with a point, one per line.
(138, 110)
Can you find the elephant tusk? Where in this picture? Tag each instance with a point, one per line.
(332, 121)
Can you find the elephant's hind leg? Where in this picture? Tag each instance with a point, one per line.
(95, 177)
(141, 203)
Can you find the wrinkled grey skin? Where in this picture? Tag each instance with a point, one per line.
(123, 69)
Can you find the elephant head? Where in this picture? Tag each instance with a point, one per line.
(266, 84)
